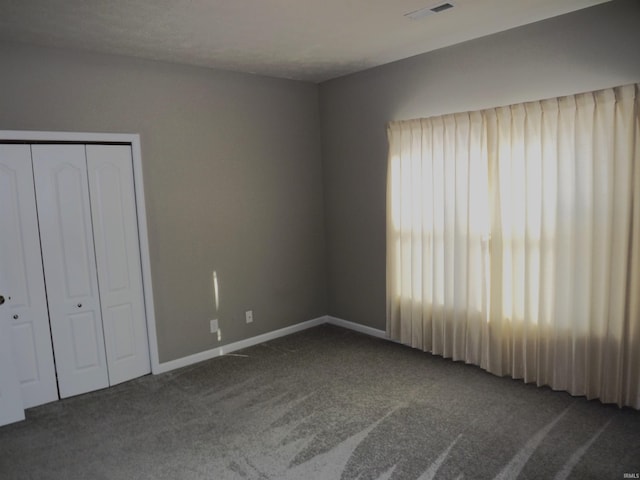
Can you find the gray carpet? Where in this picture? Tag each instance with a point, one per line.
(325, 403)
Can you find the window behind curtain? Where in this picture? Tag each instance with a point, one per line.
(513, 240)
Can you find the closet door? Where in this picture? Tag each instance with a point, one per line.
(11, 409)
(115, 231)
(21, 263)
(64, 211)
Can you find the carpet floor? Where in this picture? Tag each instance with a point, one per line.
(326, 403)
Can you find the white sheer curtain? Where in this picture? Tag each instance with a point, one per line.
(513, 241)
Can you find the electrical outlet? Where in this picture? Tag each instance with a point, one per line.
(213, 325)
(249, 316)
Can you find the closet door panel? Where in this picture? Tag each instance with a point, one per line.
(117, 247)
(11, 409)
(62, 196)
(21, 262)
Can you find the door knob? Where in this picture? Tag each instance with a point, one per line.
(1, 299)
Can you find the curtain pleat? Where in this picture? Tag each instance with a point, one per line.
(513, 240)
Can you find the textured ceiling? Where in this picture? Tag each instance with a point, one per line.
(299, 39)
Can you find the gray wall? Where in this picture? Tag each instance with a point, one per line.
(232, 175)
(586, 50)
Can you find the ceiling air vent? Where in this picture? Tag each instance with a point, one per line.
(423, 12)
(441, 8)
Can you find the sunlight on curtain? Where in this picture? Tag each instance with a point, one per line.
(513, 240)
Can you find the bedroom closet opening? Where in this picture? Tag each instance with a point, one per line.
(70, 262)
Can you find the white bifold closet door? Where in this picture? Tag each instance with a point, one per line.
(115, 233)
(62, 192)
(25, 306)
(91, 260)
(11, 409)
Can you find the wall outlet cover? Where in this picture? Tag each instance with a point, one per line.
(213, 325)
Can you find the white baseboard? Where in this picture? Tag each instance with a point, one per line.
(231, 347)
(265, 337)
(374, 332)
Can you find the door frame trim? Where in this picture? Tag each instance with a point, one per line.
(132, 139)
